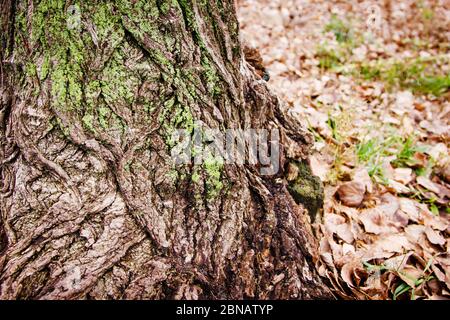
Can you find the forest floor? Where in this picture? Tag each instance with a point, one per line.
(371, 81)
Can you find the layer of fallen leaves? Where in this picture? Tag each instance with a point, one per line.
(385, 245)
(371, 80)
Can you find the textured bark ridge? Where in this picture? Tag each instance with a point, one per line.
(91, 206)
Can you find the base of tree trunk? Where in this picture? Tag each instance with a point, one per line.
(91, 205)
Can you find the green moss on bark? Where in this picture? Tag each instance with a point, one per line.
(213, 168)
(307, 189)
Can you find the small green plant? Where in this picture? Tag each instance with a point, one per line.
(403, 287)
(417, 282)
(434, 209)
(368, 72)
(418, 75)
(328, 59)
(436, 85)
(374, 267)
(343, 150)
(331, 122)
(421, 75)
(372, 152)
(341, 30)
(427, 169)
(407, 148)
(427, 14)
(314, 132)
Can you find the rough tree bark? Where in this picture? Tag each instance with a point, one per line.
(90, 205)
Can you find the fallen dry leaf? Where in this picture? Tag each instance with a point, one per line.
(319, 167)
(345, 233)
(410, 274)
(362, 176)
(434, 237)
(414, 231)
(439, 274)
(428, 184)
(403, 175)
(431, 220)
(351, 193)
(332, 221)
(389, 204)
(444, 171)
(348, 248)
(397, 262)
(352, 273)
(409, 207)
(438, 150)
(404, 102)
(393, 243)
(374, 221)
(398, 187)
(400, 218)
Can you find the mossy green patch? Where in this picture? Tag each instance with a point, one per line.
(88, 121)
(211, 77)
(116, 81)
(164, 5)
(63, 53)
(45, 67)
(195, 177)
(175, 115)
(213, 167)
(103, 114)
(107, 24)
(307, 189)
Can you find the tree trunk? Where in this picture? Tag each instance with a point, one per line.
(91, 205)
